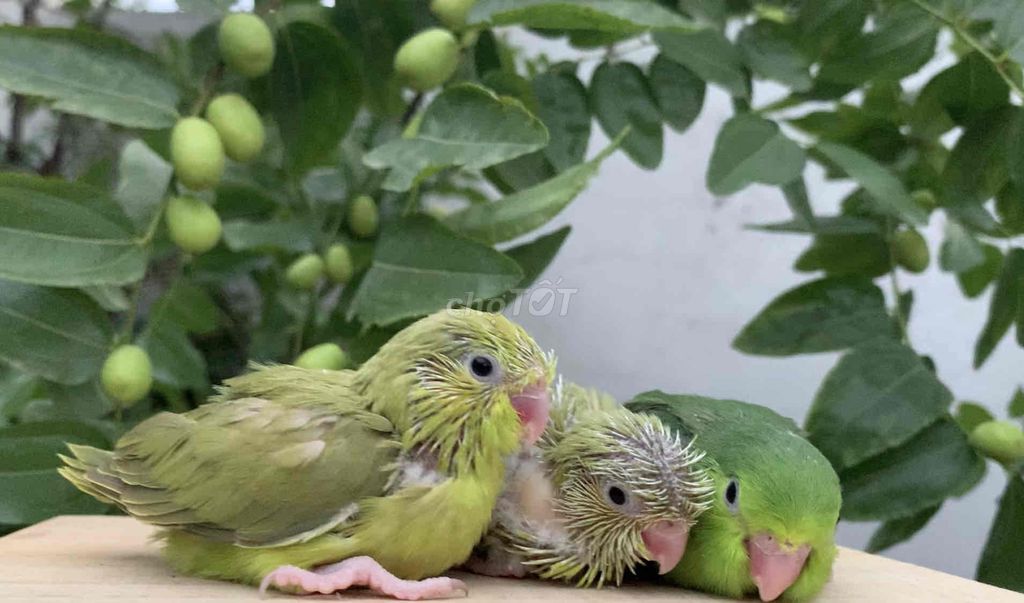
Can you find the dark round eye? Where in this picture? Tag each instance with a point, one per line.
(482, 366)
(617, 495)
(732, 494)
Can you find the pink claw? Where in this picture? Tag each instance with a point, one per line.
(361, 571)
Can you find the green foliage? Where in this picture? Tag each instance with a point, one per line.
(399, 199)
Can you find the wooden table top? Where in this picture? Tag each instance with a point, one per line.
(93, 559)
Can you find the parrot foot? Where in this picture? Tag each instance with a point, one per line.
(361, 571)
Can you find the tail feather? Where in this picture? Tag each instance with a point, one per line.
(84, 470)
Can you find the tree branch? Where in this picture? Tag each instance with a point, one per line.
(970, 40)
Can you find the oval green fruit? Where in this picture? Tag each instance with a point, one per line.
(324, 356)
(427, 59)
(197, 153)
(999, 440)
(338, 263)
(193, 225)
(911, 250)
(127, 375)
(246, 44)
(238, 124)
(305, 272)
(452, 13)
(363, 218)
(924, 198)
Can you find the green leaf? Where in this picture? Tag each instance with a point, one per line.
(877, 396)
(846, 255)
(420, 267)
(88, 73)
(1004, 307)
(884, 188)
(85, 401)
(710, 55)
(65, 235)
(960, 251)
(59, 334)
(1003, 555)
(933, 465)
(528, 209)
(875, 135)
(820, 316)
(977, 167)
(17, 388)
(898, 530)
(188, 306)
(466, 126)
(621, 98)
(1016, 407)
(618, 16)
(902, 43)
(825, 26)
(837, 225)
(142, 179)
(562, 106)
(770, 54)
(751, 149)
(33, 491)
(969, 415)
(795, 193)
(176, 362)
(205, 7)
(974, 281)
(109, 297)
(678, 92)
(291, 235)
(315, 90)
(962, 92)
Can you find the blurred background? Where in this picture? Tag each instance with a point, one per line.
(665, 275)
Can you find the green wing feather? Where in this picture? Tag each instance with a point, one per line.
(249, 471)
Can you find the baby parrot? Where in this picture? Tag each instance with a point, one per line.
(602, 491)
(315, 481)
(771, 528)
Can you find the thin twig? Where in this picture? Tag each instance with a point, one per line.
(410, 111)
(209, 86)
(974, 43)
(19, 104)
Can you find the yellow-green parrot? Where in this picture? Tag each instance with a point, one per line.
(314, 481)
(603, 491)
(771, 527)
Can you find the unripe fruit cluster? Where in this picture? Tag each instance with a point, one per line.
(127, 375)
(307, 270)
(430, 58)
(232, 128)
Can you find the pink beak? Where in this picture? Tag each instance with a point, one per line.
(666, 543)
(773, 569)
(532, 406)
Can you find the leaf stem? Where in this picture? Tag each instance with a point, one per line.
(412, 202)
(210, 81)
(974, 43)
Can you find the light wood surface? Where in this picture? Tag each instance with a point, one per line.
(89, 559)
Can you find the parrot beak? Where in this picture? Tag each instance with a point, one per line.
(772, 567)
(666, 543)
(532, 406)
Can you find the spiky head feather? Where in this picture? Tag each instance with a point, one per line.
(600, 448)
(422, 381)
(783, 486)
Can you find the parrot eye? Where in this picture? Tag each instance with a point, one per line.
(483, 367)
(617, 496)
(732, 495)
